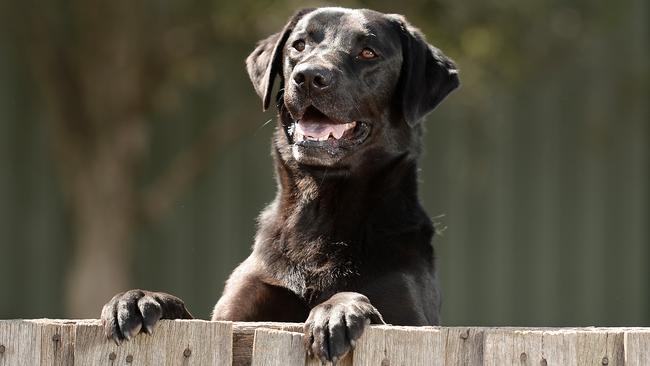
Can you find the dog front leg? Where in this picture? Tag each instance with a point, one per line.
(127, 313)
(334, 326)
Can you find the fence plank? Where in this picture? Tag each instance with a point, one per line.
(600, 347)
(276, 347)
(243, 335)
(20, 343)
(243, 338)
(464, 346)
(180, 342)
(389, 345)
(558, 347)
(637, 347)
(530, 347)
(57, 342)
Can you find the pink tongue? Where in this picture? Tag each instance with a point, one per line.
(320, 129)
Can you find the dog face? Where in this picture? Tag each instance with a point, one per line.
(354, 85)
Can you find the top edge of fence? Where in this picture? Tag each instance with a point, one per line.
(280, 325)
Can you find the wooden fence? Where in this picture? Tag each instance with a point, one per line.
(196, 342)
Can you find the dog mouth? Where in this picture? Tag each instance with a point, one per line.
(314, 128)
(317, 131)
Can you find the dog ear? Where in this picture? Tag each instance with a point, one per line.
(427, 75)
(266, 60)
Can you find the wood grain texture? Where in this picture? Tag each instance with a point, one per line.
(278, 348)
(179, 342)
(20, 343)
(400, 346)
(600, 346)
(637, 347)
(243, 339)
(529, 347)
(195, 342)
(57, 342)
(464, 346)
(244, 334)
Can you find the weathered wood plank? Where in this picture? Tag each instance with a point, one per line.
(20, 343)
(637, 347)
(529, 347)
(179, 342)
(600, 346)
(57, 342)
(244, 334)
(64, 342)
(278, 348)
(557, 347)
(395, 346)
(243, 339)
(464, 346)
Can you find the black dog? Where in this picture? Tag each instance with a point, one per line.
(346, 242)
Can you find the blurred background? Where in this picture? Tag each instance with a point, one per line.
(134, 153)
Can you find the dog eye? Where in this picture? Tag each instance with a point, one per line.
(367, 54)
(299, 45)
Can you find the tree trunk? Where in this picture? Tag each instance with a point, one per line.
(99, 65)
(104, 214)
(97, 84)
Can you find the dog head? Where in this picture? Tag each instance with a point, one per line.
(354, 85)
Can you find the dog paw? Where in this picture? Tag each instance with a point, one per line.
(128, 313)
(334, 326)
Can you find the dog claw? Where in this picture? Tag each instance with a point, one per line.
(115, 340)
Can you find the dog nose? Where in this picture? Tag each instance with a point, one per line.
(314, 77)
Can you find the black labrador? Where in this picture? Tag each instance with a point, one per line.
(346, 242)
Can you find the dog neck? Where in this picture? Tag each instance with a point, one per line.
(322, 203)
(322, 224)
